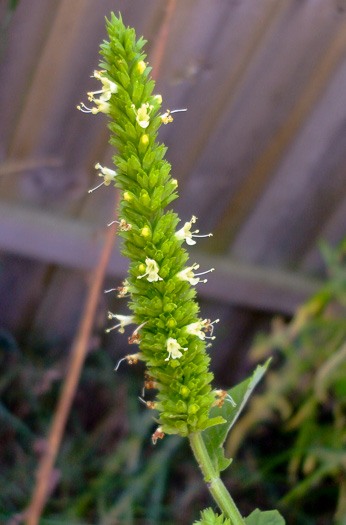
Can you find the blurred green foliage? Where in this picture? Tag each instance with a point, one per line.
(107, 471)
(292, 436)
(303, 403)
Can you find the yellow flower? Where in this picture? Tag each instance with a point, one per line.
(185, 233)
(198, 327)
(102, 104)
(141, 66)
(142, 115)
(167, 117)
(152, 271)
(109, 87)
(173, 349)
(107, 174)
(124, 321)
(190, 276)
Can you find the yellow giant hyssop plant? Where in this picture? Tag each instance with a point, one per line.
(172, 338)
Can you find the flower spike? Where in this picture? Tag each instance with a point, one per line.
(166, 312)
(171, 338)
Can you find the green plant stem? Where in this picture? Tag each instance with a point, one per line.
(215, 485)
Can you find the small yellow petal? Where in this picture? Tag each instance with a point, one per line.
(144, 140)
(145, 231)
(141, 66)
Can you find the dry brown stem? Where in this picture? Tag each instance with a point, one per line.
(161, 42)
(77, 358)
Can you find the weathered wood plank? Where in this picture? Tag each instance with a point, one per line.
(240, 68)
(58, 313)
(259, 124)
(21, 45)
(74, 244)
(205, 70)
(308, 187)
(256, 287)
(333, 232)
(262, 171)
(22, 287)
(48, 122)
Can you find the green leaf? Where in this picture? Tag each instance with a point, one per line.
(268, 517)
(211, 422)
(215, 437)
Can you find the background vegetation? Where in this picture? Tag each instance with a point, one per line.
(290, 441)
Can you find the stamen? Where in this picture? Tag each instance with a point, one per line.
(123, 290)
(132, 359)
(149, 404)
(208, 325)
(202, 273)
(223, 395)
(231, 400)
(149, 383)
(97, 187)
(84, 109)
(212, 327)
(112, 328)
(110, 290)
(135, 337)
(177, 110)
(92, 93)
(142, 400)
(121, 360)
(124, 226)
(139, 327)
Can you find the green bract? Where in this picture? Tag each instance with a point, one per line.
(171, 336)
(209, 517)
